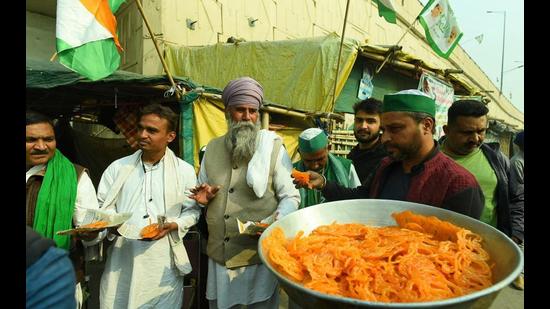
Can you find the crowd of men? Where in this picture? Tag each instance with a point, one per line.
(246, 174)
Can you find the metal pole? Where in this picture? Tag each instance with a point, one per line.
(502, 63)
(339, 55)
(503, 45)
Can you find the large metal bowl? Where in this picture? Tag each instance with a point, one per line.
(504, 252)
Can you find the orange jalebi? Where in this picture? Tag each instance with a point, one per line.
(96, 225)
(150, 231)
(301, 177)
(422, 259)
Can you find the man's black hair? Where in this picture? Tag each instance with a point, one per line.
(466, 108)
(369, 106)
(33, 117)
(163, 112)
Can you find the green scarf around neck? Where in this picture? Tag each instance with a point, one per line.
(56, 199)
(337, 169)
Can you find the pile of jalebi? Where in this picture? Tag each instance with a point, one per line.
(422, 259)
(95, 225)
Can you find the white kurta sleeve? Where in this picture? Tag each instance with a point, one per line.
(203, 177)
(190, 211)
(105, 184)
(288, 195)
(85, 199)
(354, 181)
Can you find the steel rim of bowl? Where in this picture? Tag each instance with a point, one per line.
(353, 301)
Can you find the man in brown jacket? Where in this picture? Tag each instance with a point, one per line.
(245, 175)
(58, 194)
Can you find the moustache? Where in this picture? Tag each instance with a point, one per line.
(39, 152)
(244, 124)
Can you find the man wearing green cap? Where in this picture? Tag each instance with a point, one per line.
(313, 148)
(415, 169)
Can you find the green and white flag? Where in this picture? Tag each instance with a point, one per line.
(439, 23)
(386, 9)
(86, 38)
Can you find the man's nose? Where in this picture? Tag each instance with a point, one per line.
(142, 133)
(385, 137)
(246, 116)
(475, 138)
(316, 166)
(40, 145)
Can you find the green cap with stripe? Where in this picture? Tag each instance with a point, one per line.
(409, 101)
(312, 140)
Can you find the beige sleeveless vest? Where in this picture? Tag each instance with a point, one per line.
(234, 200)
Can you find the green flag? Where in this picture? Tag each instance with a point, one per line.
(439, 23)
(386, 9)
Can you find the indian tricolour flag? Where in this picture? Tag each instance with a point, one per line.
(87, 42)
(386, 9)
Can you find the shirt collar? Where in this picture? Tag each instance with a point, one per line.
(35, 170)
(420, 166)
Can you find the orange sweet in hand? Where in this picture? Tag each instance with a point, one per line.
(301, 177)
(95, 225)
(150, 231)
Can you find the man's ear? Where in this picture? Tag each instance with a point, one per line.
(428, 125)
(446, 129)
(171, 136)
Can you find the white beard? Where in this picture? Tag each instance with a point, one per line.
(241, 140)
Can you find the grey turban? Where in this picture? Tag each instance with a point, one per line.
(243, 90)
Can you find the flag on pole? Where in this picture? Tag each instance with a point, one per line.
(86, 39)
(386, 9)
(439, 23)
(479, 38)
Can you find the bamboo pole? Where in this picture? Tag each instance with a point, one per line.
(396, 44)
(339, 56)
(140, 8)
(277, 110)
(265, 120)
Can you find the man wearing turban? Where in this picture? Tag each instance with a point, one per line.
(244, 175)
(415, 170)
(313, 148)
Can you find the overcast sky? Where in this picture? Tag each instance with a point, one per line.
(474, 20)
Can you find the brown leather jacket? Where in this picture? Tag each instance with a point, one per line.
(76, 250)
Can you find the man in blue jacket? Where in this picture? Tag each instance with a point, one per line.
(50, 279)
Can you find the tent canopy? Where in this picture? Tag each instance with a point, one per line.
(52, 87)
(296, 74)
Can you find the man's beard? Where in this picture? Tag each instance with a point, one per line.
(371, 137)
(405, 152)
(241, 140)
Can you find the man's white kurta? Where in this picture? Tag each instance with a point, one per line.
(142, 274)
(255, 283)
